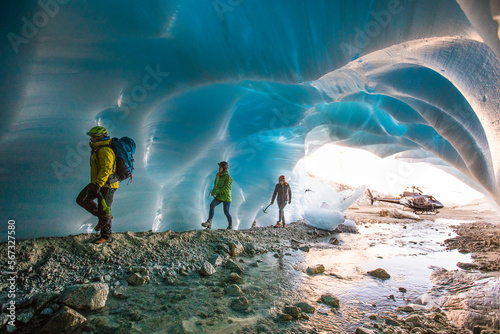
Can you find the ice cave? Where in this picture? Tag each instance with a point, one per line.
(260, 84)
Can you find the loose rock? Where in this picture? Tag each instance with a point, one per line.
(379, 273)
(65, 320)
(234, 290)
(136, 279)
(235, 248)
(234, 267)
(294, 311)
(317, 269)
(207, 269)
(330, 300)
(240, 304)
(305, 249)
(215, 260)
(305, 307)
(85, 296)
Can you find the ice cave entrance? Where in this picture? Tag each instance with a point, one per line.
(354, 168)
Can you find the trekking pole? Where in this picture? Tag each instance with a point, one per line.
(267, 207)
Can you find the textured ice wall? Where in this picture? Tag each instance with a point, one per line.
(257, 83)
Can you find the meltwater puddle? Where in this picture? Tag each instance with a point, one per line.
(408, 252)
(271, 281)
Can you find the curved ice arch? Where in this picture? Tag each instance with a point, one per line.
(460, 114)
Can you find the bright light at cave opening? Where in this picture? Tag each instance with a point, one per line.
(356, 167)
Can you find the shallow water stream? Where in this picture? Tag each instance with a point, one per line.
(408, 252)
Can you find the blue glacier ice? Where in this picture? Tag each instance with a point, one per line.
(257, 83)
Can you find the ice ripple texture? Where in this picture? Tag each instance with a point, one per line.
(257, 83)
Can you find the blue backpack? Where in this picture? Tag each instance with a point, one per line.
(124, 149)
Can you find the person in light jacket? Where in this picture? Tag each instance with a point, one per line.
(284, 193)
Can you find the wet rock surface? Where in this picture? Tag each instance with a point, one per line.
(482, 239)
(379, 273)
(179, 297)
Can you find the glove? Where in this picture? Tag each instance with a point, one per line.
(289, 202)
(271, 203)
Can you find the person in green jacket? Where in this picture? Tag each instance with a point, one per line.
(103, 182)
(222, 194)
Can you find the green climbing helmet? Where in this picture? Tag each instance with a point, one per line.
(98, 131)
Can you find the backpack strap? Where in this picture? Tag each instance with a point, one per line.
(96, 150)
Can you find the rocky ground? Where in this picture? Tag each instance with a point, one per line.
(70, 284)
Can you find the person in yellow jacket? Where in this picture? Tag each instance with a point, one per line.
(103, 182)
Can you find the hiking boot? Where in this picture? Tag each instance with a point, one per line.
(278, 224)
(102, 240)
(207, 224)
(284, 224)
(98, 226)
(229, 227)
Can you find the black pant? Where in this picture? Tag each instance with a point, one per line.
(216, 202)
(281, 206)
(86, 199)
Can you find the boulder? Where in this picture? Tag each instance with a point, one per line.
(379, 273)
(65, 320)
(330, 300)
(42, 299)
(25, 316)
(362, 330)
(392, 322)
(399, 214)
(47, 311)
(334, 241)
(305, 307)
(85, 296)
(294, 311)
(207, 269)
(137, 279)
(406, 308)
(305, 248)
(250, 248)
(215, 260)
(467, 266)
(234, 277)
(234, 267)
(317, 269)
(234, 290)
(240, 304)
(4, 318)
(223, 248)
(235, 248)
(284, 317)
(414, 319)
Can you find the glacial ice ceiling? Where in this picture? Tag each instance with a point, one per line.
(257, 83)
